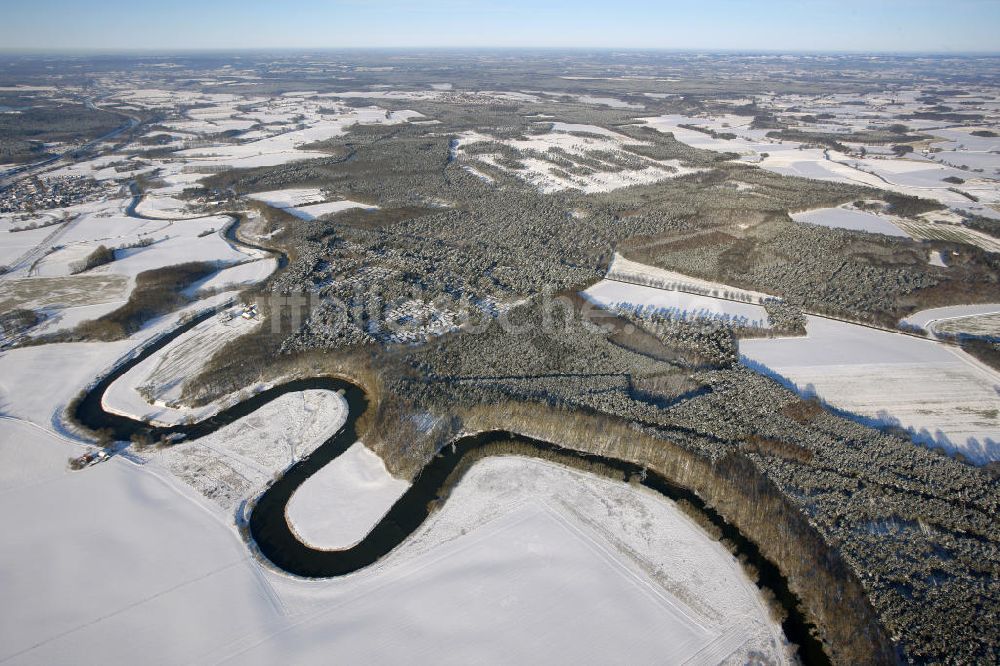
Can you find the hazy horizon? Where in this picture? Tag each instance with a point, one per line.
(769, 26)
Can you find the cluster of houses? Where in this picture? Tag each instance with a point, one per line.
(33, 194)
(247, 311)
(250, 311)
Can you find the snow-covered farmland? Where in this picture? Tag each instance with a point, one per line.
(742, 145)
(152, 389)
(306, 203)
(287, 146)
(63, 292)
(28, 389)
(613, 102)
(139, 244)
(566, 566)
(327, 208)
(235, 463)
(957, 319)
(181, 242)
(15, 244)
(960, 148)
(341, 503)
(985, 325)
(926, 229)
(626, 270)
(239, 275)
(611, 294)
(115, 563)
(850, 218)
(528, 560)
(291, 197)
(941, 395)
(160, 207)
(915, 174)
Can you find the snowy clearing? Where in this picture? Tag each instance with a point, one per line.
(341, 503)
(611, 294)
(941, 395)
(240, 275)
(596, 155)
(306, 203)
(319, 210)
(626, 270)
(290, 198)
(850, 218)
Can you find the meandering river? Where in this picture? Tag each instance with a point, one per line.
(275, 540)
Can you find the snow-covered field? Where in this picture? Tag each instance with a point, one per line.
(626, 270)
(63, 292)
(611, 294)
(941, 395)
(341, 503)
(927, 229)
(916, 174)
(748, 142)
(526, 561)
(235, 463)
(850, 218)
(306, 203)
(239, 275)
(42, 277)
(315, 211)
(152, 389)
(163, 208)
(38, 382)
(14, 244)
(635, 286)
(957, 319)
(613, 102)
(985, 325)
(291, 197)
(960, 148)
(115, 563)
(287, 146)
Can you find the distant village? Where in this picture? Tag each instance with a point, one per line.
(34, 194)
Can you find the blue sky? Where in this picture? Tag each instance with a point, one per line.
(774, 25)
